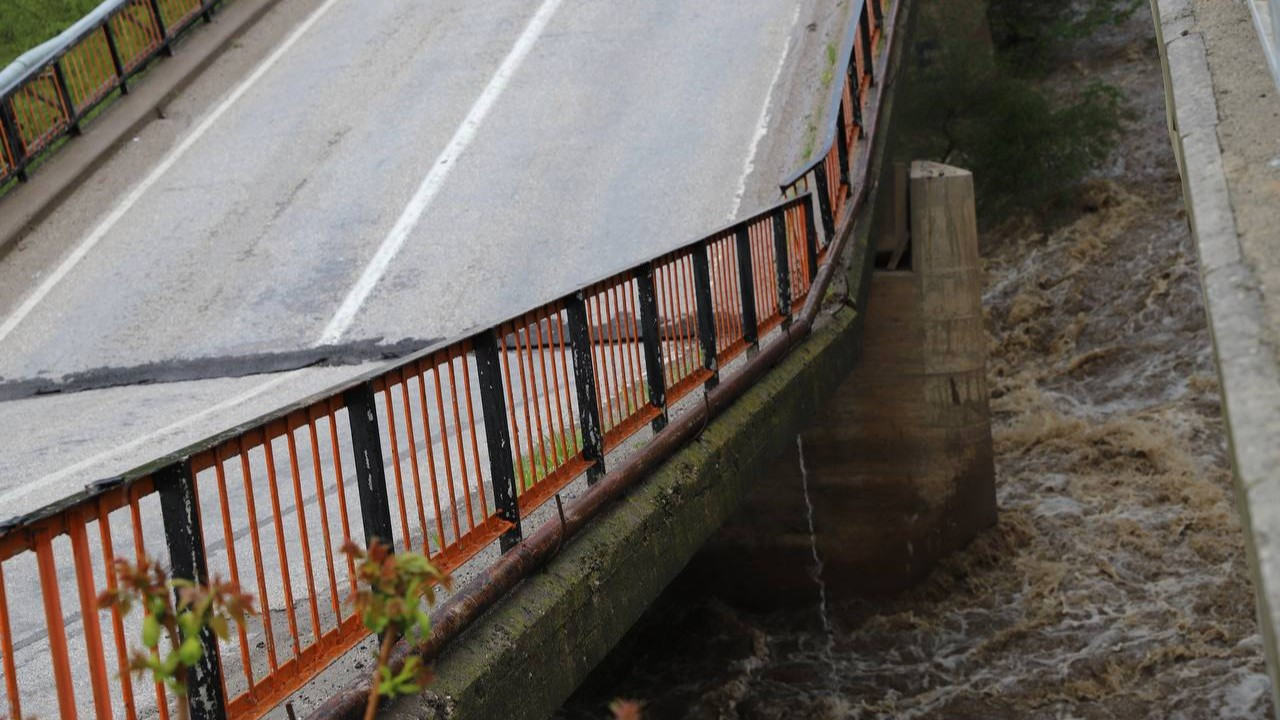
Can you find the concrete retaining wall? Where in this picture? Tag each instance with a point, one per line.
(1222, 122)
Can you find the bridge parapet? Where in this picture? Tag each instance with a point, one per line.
(1222, 109)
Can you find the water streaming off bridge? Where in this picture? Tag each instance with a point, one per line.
(1115, 584)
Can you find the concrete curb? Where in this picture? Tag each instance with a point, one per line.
(60, 175)
(1246, 363)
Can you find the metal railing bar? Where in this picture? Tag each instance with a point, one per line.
(833, 101)
(100, 487)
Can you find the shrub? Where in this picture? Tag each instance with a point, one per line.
(1030, 34)
(199, 607)
(1028, 144)
(390, 599)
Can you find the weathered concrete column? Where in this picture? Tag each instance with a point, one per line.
(899, 460)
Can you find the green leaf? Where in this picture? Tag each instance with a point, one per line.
(150, 631)
(170, 664)
(218, 624)
(190, 651)
(188, 623)
(408, 688)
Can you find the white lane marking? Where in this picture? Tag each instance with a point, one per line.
(154, 176)
(762, 125)
(18, 493)
(435, 178)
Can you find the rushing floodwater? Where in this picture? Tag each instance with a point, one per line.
(1115, 585)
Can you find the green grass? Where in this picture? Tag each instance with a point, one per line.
(27, 23)
(828, 73)
(828, 76)
(532, 468)
(810, 140)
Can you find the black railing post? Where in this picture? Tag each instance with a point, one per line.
(64, 94)
(842, 145)
(493, 406)
(17, 149)
(651, 333)
(855, 88)
(180, 510)
(371, 471)
(823, 194)
(747, 284)
(206, 10)
(584, 373)
(115, 57)
(706, 312)
(878, 11)
(811, 241)
(782, 261)
(868, 59)
(166, 47)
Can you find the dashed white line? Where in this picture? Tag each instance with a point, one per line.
(123, 207)
(435, 178)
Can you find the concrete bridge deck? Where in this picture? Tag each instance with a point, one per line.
(1224, 120)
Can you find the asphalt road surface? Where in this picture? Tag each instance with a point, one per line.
(406, 170)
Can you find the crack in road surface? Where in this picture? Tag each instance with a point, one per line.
(212, 368)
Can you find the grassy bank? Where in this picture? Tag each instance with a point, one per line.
(27, 23)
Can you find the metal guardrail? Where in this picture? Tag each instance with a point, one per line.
(445, 452)
(1266, 20)
(450, 452)
(828, 176)
(82, 68)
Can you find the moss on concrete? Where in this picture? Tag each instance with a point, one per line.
(555, 626)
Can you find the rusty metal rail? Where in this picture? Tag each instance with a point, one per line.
(445, 453)
(829, 175)
(51, 99)
(450, 452)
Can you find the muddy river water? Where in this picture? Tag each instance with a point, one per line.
(1115, 584)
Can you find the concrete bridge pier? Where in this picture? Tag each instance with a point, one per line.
(899, 459)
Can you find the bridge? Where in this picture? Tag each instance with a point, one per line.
(262, 305)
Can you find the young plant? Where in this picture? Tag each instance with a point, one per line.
(198, 607)
(390, 603)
